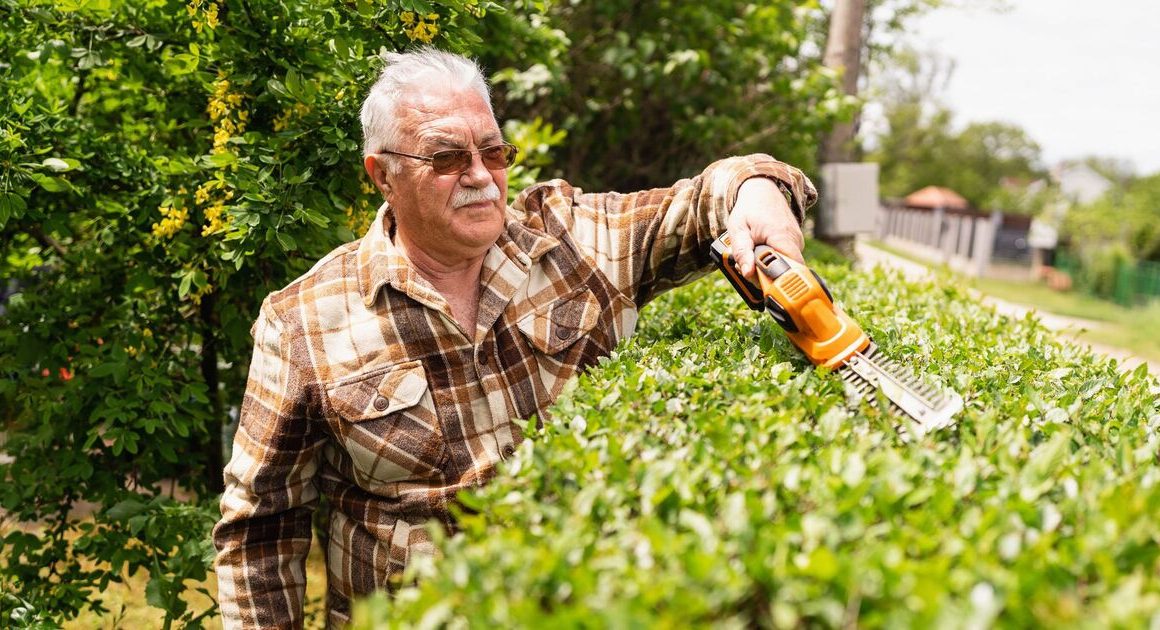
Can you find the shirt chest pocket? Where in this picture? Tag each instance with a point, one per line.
(387, 423)
(558, 324)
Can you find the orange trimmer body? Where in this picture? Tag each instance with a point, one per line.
(798, 300)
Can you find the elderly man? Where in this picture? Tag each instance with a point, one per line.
(388, 377)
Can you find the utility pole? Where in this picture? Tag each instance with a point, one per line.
(844, 54)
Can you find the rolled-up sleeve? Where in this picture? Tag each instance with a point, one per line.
(264, 534)
(650, 241)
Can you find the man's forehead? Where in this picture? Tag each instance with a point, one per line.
(448, 119)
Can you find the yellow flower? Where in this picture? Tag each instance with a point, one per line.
(211, 15)
(282, 121)
(214, 219)
(220, 138)
(172, 220)
(407, 17)
(216, 109)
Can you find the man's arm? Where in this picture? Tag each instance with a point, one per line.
(264, 534)
(650, 241)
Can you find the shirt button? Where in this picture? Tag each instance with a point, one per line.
(381, 403)
(565, 333)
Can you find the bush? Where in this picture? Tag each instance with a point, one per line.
(706, 474)
(166, 165)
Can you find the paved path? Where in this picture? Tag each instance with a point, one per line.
(1070, 327)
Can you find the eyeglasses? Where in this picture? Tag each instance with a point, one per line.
(455, 161)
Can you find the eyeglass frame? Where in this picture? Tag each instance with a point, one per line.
(431, 158)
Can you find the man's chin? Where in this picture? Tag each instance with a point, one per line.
(482, 231)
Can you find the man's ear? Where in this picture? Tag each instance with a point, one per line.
(378, 174)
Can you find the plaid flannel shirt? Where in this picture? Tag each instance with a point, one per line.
(364, 387)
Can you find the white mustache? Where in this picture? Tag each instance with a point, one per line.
(468, 196)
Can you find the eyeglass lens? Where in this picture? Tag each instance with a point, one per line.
(459, 160)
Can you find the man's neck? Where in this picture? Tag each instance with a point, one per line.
(456, 279)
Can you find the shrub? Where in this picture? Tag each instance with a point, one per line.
(706, 474)
(166, 165)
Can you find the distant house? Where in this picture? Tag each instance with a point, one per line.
(1079, 183)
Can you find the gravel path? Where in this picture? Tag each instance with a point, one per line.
(1069, 327)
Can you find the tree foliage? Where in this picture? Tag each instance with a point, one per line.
(647, 90)
(1126, 217)
(166, 165)
(920, 145)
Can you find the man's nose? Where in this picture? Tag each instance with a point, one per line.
(476, 175)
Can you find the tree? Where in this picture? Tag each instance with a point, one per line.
(1126, 217)
(166, 165)
(648, 92)
(921, 147)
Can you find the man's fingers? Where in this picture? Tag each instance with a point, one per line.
(743, 252)
(788, 247)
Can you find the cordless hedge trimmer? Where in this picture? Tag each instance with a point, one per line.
(801, 303)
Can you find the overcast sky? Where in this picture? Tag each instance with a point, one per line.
(1082, 77)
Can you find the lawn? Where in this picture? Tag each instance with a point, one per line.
(1133, 329)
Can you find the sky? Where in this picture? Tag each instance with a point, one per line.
(1081, 77)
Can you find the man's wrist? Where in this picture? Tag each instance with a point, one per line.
(765, 191)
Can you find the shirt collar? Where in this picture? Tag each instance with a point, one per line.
(381, 263)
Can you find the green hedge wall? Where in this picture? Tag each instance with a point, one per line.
(707, 474)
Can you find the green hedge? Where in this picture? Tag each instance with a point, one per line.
(706, 474)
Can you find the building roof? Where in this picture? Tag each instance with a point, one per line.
(936, 197)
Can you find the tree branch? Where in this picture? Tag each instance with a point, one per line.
(45, 240)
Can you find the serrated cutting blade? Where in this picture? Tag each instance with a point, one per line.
(929, 406)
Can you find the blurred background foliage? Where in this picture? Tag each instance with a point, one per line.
(166, 164)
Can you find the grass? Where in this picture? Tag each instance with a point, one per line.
(1133, 329)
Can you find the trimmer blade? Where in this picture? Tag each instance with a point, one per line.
(930, 407)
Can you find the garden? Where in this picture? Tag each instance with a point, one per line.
(167, 164)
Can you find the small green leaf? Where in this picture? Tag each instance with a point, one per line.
(286, 241)
(125, 509)
(12, 206)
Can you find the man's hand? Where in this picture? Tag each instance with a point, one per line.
(762, 216)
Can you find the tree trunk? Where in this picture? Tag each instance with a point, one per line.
(844, 54)
(209, 372)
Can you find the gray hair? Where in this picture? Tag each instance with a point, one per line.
(403, 73)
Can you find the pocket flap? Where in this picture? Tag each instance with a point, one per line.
(382, 392)
(558, 324)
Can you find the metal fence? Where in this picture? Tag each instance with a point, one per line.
(1127, 283)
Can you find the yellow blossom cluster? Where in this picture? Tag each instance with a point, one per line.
(282, 121)
(204, 14)
(133, 351)
(172, 220)
(222, 109)
(361, 213)
(196, 296)
(216, 218)
(421, 28)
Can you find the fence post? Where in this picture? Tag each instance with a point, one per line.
(1124, 289)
